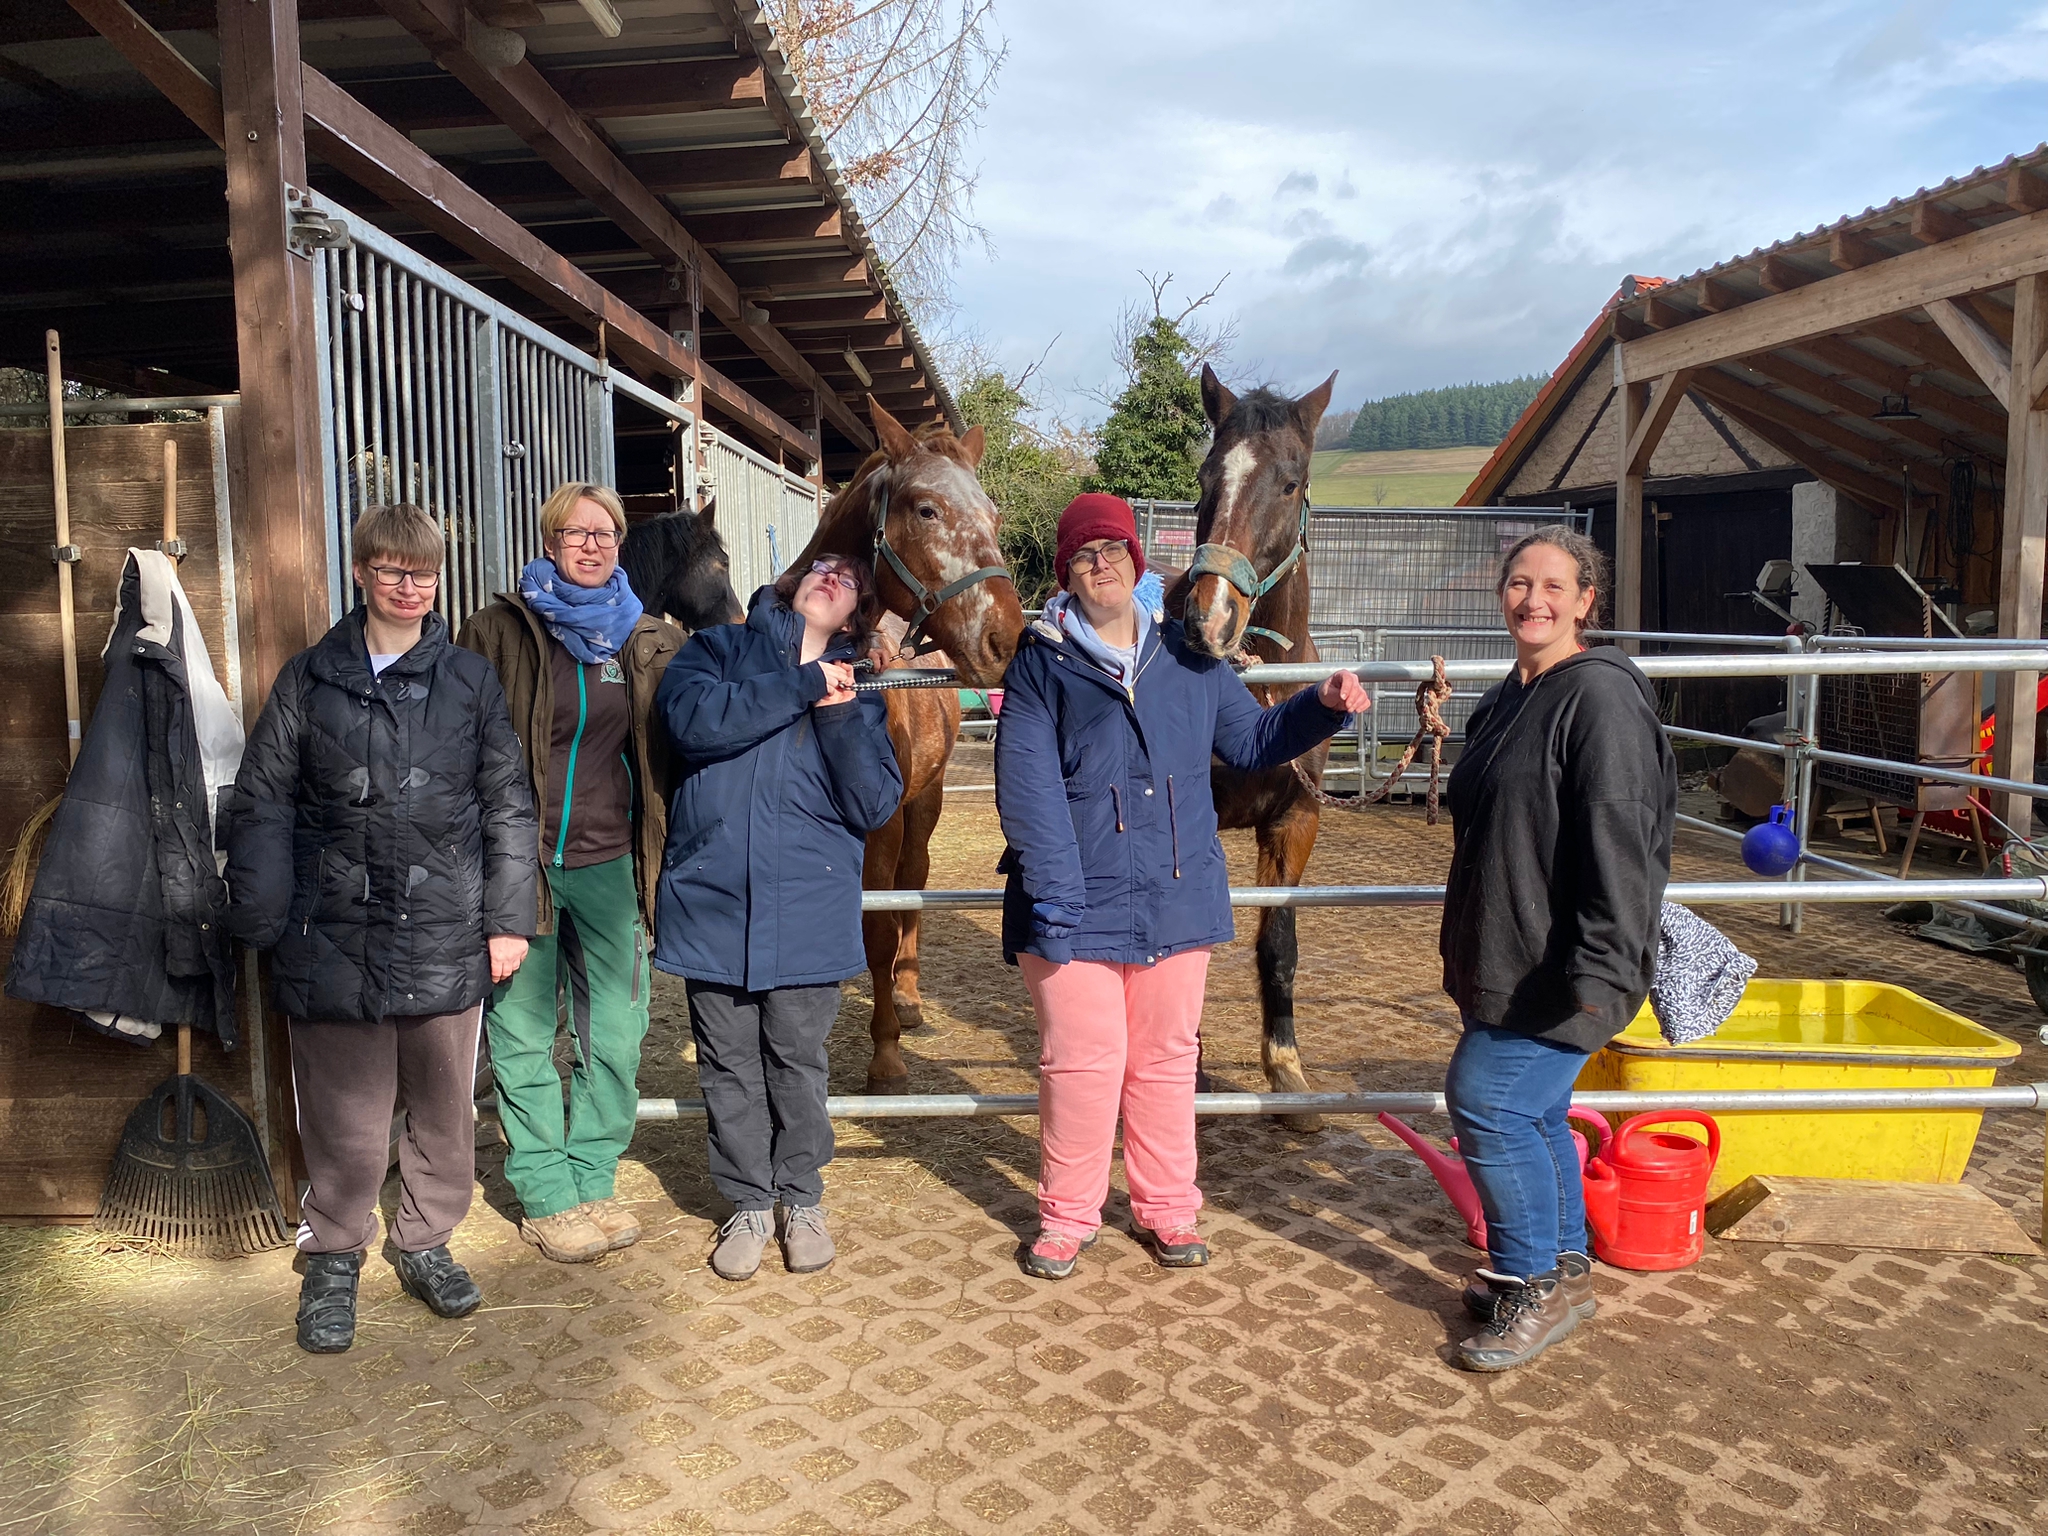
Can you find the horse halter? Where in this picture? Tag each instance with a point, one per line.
(928, 602)
(1221, 560)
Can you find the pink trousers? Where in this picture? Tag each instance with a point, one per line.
(1117, 1038)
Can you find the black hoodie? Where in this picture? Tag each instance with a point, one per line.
(1562, 805)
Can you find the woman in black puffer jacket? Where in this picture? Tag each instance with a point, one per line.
(382, 838)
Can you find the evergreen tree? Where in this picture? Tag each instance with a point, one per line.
(1030, 480)
(1153, 440)
(1462, 416)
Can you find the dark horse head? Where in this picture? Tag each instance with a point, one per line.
(678, 565)
(1251, 521)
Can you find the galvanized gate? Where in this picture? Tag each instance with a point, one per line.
(766, 513)
(434, 393)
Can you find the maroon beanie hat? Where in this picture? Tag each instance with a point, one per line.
(1096, 515)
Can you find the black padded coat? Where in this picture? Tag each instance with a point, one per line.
(381, 829)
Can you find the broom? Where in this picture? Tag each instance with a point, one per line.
(189, 1175)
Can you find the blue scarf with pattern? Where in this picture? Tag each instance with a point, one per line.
(590, 622)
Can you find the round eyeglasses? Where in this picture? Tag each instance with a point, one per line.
(1114, 555)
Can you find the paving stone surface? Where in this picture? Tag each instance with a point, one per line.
(1299, 1384)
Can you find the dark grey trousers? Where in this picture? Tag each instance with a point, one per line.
(761, 1064)
(350, 1077)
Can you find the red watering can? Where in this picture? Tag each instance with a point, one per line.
(1450, 1175)
(1646, 1194)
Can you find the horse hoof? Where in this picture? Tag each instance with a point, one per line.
(894, 1087)
(910, 1016)
(1306, 1125)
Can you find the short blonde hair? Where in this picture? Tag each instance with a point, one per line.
(402, 533)
(554, 512)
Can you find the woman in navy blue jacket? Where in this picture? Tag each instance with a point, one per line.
(1117, 887)
(785, 772)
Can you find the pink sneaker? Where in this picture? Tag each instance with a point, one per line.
(1174, 1247)
(1053, 1255)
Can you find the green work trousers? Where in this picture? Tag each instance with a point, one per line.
(595, 962)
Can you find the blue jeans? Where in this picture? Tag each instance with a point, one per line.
(1508, 1094)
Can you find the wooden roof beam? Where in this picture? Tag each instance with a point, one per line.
(1714, 297)
(1862, 484)
(1849, 250)
(158, 63)
(1990, 358)
(1874, 452)
(526, 103)
(1895, 378)
(1840, 397)
(1933, 224)
(1989, 258)
(2026, 191)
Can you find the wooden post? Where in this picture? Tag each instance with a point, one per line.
(2025, 531)
(62, 551)
(814, 423)
(282, 519)
(1631, 404)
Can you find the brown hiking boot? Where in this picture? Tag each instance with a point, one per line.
(621, 1228)
(1578, 1289)
(567, 1237)
(1529, 1315)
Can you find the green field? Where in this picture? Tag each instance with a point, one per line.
(1423, 477)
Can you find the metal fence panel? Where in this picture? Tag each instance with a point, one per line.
(766, 513)
(436, 394)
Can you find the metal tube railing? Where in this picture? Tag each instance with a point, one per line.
(2012, 657)
(981, 1106)
(1695, 892)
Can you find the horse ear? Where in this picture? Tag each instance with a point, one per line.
(1217, 401)
(896, 442)
(1308, 410)
(974, 443)
(708, 516)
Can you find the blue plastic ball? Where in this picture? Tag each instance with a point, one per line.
(1771, 847)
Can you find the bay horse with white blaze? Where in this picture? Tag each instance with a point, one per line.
(915, 511)
(1247, 592)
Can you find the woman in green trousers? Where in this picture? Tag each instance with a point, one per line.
(580, 663)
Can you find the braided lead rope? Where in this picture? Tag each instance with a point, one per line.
(1429, 701)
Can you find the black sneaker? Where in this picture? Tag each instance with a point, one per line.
(439, 1281)
(1577, 1270)
(327, 1302)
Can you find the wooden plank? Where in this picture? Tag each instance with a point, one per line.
(1973, 415)
(1665, 398)
(1877, 454)
(1633, 400)
(1974, 263)
(2021, 562)
(527, 104)
(161, 64)
(1989, 358)
(1876, 494)
(1867, 1213)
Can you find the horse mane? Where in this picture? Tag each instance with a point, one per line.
(659, 544)
(1261, 410)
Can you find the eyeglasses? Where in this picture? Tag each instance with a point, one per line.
(1116, 554)
(398, 576)
(832, 576)
(600, 538)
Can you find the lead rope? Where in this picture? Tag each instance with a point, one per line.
(1429, 701)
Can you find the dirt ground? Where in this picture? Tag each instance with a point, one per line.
(1298, 1385)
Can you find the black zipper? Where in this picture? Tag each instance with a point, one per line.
(1173, 821)
(1116, 798)
(319, 882)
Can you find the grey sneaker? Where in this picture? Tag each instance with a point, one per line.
(806, 1245)
(741, 1242)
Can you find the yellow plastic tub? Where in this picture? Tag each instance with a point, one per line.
(1821, 1034)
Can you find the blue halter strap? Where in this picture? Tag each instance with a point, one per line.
(1221, 560)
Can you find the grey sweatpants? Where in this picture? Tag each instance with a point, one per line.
(350, 1078)
(761, 1065)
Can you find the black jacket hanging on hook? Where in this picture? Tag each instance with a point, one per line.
(126, 920)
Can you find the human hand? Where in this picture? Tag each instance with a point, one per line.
(838, 683)
(508, 950)
(1343, 692)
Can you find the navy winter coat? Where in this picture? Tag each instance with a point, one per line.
(760, 884)
(1104, 795)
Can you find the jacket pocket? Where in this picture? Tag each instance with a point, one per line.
(307, 902)
(681, 849)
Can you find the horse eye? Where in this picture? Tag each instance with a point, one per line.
(928, 511)
(1292, 487)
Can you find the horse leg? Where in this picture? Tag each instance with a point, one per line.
(1284, 846)
(880, 933)
(913, 868)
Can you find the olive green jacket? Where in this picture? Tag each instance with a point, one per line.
(513, 639)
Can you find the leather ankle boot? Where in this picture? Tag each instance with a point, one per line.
(327, 1302)
(1577, 1270)
(1530, 1313)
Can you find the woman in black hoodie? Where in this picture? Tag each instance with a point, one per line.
(1562, 805)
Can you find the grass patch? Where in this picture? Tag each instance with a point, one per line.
(1428, 477)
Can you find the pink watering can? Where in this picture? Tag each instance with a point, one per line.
(1448, 1169)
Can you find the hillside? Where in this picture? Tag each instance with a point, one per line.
(1416, 477)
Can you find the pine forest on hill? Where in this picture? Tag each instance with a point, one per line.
(1459, 416)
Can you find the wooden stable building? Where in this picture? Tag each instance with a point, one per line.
(447, 251)
(1871, 391)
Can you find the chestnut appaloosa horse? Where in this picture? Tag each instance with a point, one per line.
(918, 515)
(1247, 591)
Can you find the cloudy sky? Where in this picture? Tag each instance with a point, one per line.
(1419, 194)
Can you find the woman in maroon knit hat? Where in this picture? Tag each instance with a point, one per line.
(1117, 889)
